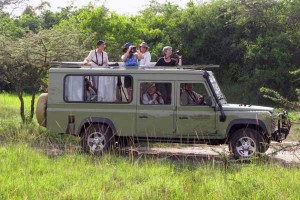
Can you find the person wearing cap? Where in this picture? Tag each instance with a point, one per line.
(131, 56)
(97, 57)
(143, 47)
(167, 60)
(152, 96)
(103, 87)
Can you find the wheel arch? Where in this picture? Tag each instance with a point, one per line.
(92, 120)
(246, 123)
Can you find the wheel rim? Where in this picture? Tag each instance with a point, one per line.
(246, 147)
(96, 142)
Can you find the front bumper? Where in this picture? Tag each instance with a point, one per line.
(283, 127)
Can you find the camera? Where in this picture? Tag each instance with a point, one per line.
(178, 53)
(133, 49)
(158, 93)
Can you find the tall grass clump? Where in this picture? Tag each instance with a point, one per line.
(12, 130)
(10, 110)
(37, 164)
(11, 126)
(29, 174)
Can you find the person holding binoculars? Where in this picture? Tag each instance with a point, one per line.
(131, 55)
(152, 96)
(167, 60)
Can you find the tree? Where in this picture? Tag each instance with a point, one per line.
(15, 3)
(29, 20)
(254, 42)
(276, 97)
(8, 27)
(24, 61)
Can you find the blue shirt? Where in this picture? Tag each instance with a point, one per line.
(132, 61)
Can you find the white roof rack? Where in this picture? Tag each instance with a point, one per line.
(192, 67)
(66, 64)
(121, 65)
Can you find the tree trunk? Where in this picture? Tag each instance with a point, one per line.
(32, 105)
(22, 113)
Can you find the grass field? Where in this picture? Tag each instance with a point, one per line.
(30, 169)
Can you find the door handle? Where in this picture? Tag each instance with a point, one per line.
(143, 116)
(183, 117)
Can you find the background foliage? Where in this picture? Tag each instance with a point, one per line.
(256, 43)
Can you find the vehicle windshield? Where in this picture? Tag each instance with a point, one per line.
(217, 89)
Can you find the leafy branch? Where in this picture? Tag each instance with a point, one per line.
(276, 97)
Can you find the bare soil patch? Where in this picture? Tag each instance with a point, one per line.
(286, 153)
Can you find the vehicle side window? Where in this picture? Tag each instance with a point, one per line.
(109, 89)
(192, 94)
(74, 88)
(155, 93)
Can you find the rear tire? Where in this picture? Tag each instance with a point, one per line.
(246, 143)
(97, 139)
(41, 109)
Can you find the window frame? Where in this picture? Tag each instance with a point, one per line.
(140, 95)
(208, 93)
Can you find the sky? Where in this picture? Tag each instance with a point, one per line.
(120, 6)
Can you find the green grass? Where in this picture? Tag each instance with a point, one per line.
(36, 164)
(10, 108)
(30, 174)
(295, 130)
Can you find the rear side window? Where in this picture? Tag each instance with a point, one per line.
(155, 93)
(106, 89)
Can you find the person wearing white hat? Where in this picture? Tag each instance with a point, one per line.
(152, 96)
(144, 49)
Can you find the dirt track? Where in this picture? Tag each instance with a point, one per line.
(286, 153)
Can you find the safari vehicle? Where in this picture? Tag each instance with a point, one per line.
(106, 106)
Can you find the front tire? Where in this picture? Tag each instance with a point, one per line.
(246, 143)
(97, 139)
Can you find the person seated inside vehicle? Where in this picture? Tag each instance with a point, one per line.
(90, 93)
(152, 96)
(190, 97)
(165, 89)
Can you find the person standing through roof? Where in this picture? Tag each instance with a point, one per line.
(97, 57)
(130, 58)
(101, 88)
(167, 60)
(131, 55)
(145, 61)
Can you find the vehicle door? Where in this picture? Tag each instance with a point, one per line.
(195, 117)
(155, 109)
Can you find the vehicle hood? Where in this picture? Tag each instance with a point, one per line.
(245, 107)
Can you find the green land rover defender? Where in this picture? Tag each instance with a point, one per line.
(107, 106)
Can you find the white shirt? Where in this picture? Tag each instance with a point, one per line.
(92, 58)
(146, 60)
(147, 99)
